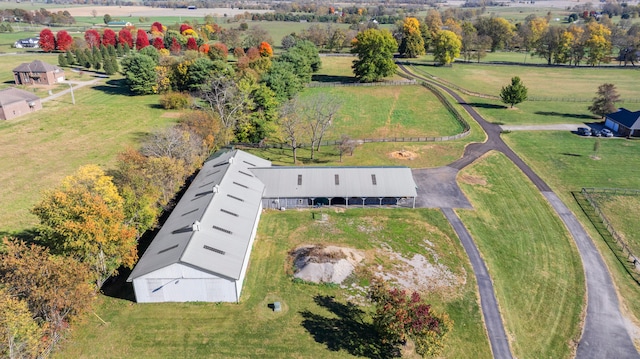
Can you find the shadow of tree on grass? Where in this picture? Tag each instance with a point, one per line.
(568, 115)
(486, 105)
(347, 330)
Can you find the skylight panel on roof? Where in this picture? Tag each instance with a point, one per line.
(168, 249)
(214, 249)
(249, 163)
(240, 184)
(299, 180)
(373, 180)
(246, 174)
(228, 212)
(189, 212)
(207, 184)
(337, 179)
(212, 173)
(221, 164)
(236, 198)
(222, 229)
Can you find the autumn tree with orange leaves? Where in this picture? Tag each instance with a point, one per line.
(84, 219)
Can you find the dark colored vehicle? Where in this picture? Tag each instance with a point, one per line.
(595, 132)
(583, 131)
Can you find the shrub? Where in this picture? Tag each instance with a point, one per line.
(175, 101)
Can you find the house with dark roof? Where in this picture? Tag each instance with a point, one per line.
(15, 102)
(30, 42)
(624, 122)
(202, 251)
(37, 73)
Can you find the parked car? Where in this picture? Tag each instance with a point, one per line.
(606, 132)
(595, 132)
(583, 131)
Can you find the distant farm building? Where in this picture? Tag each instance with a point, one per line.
(37, 73)
(15, 102)
(119, 23)
(625, 122)
(202, 251)
(31, 42)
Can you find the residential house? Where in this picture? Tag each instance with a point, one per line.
(624, 122)
(37, 73)
(15, 102)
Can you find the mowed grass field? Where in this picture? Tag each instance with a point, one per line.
(41, 148)
(623, 212)
(535, 267)
(563, 160)
(310, 325)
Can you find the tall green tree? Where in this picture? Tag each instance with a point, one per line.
(140, 72)
(447, 46)
(514, 93)
(605, 100)
(374, 49)
(84, 218)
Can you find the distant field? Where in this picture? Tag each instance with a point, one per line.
(41, 148)
(306, 328)
(535, 267)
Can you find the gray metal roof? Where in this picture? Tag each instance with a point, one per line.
(37, 66)
(13, 95)
(226, 214)
(304, 182)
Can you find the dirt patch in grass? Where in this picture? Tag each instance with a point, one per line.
(403, 155)
(473, 180)
(324, 264)
(171, 115)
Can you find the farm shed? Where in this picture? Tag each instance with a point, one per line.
(15, 102)
(294, 187)
(202, 251)
(37, 73)
(625, 122)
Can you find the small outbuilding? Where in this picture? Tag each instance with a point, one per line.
(202, 251)
(15, 102)
(37, 73)
(624, 122)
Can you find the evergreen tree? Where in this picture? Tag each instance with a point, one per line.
(120, 50)
(111, 50)
(108, 68)
(70, 59)
(62, 60)
(514, 93)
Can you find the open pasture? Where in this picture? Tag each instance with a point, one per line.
(534, 265)
(316, 320)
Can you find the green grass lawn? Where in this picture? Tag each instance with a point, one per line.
(310, 325)
(563, 161)
(534, 265)
(43, 147)
(338, 69)
(555, 82)
(622, 211)
(388, 111)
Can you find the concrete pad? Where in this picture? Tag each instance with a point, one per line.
(437, 188)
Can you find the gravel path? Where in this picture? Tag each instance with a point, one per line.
(604, 334)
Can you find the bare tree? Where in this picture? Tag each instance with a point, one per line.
(292, 126)
(176, 144)
(226, 101)
(319, 112)
(346, 144)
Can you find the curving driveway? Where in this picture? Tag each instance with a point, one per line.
(604, 334)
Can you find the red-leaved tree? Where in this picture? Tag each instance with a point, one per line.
(175, 47)
(124, 37)
(92, 37)
(47, 41)
(64, 41)
(142, 40)
(238, 52)
(158, 43)
(184, 27)
(253, 53)
(219, 51)
(156, 27)
(109, 37)
(192, 44)
(265, 49)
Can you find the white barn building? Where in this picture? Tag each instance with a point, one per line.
(202, 251)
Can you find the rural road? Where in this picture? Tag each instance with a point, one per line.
(604, 334)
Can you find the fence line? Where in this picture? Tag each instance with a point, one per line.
(356, 84)
(586, 192)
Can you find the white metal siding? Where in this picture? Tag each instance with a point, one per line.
(247, 255)
(157, 290)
